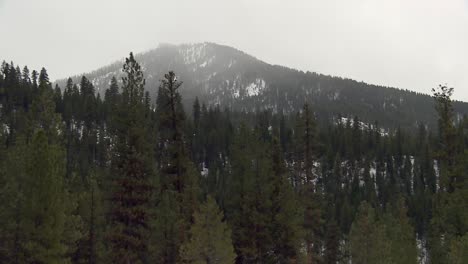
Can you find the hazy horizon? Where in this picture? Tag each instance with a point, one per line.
(413, 46)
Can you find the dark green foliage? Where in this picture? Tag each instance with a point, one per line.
(306, 147)
(450, 220)
(210, 237)
(178, 193)
(117, 178)
(332, 243)
(459, 250)
(388, 238)
(13, 174)
(43, 219)
(132, 173)
(261, 207)
(43, 113)
(368, 243)
(287, 213)
(249, 205)
(400, 234)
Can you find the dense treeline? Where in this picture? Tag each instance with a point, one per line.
(125, 179)
(223, 75)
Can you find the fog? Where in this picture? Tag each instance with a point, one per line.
(407, 44)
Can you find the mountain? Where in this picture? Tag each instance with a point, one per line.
(223, 75)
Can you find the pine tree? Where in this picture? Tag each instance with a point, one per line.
(179, 189)
(459, 250)
(43, 115)
(450, 219)
(306, 136)
(400, 234)
(44, 215)
(132, 173)
(249, 193)
(112, 102)
(90, 248)
(287, 213)
(368, 243)
(196, 140)
(332, 243)
(12, 177)
(420, 207)
(210, 237)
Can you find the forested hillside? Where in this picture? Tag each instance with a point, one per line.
(218, 74)
(121, 176)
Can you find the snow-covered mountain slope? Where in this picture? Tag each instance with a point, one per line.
(223, 75)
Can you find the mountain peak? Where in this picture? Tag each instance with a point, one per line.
(223, 75)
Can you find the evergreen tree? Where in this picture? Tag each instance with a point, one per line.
(367, 238)
(112, 103)
(210, 237)
(400, 234)
(13, 174)
(459, 250)
(306, 136)
(132, 172)
(43, 115)
(44, 217)
(287, 213)
(249, 204)
(332, 243)
(178, 179)
(450, 220)
(196, 141)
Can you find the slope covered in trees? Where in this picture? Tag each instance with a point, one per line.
(120, 177)
(218, 74)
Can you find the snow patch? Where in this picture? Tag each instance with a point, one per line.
(255, 87)
(204, 172)
(203, 65)
(362, 125)
(192, 53)
(423, 255)
(6, 129)
(333, 97)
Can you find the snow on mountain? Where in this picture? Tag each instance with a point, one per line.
(192, 53)
(255, 87)
(223, 75)
(361, 125)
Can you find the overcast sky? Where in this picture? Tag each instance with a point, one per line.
(411, 44)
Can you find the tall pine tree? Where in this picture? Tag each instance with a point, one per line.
(132, 172)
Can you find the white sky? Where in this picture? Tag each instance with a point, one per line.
(411, 44)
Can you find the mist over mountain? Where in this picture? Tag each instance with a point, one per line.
(223, 75)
